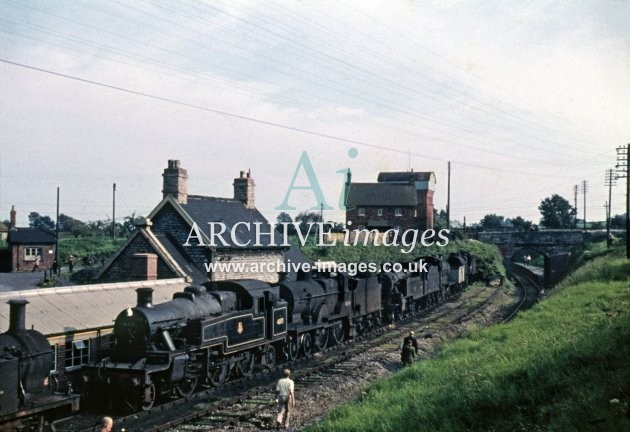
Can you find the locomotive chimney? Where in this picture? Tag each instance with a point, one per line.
(282, 276)
(145, 297)
(17, 316)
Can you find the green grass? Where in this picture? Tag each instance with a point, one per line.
(561, 366)
(97, 248)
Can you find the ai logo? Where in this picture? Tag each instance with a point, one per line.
(304, 164)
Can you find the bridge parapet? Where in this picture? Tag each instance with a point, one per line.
(533, 238)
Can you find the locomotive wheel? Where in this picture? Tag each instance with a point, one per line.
(338, 333)
(293, 349)
(321, 339)
(246, 366)
(186, 387)
(148, 397)
(269, 356)
(306, 343)
(218, 374)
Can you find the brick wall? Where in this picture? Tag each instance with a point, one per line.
(167, 221)
(122, 269)
(19, 262)
(407, 220)
(249, 257)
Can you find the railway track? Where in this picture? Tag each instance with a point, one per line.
(530, 292)
(239, 401)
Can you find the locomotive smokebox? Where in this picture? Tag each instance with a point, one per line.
(145, 297)
(17, 319)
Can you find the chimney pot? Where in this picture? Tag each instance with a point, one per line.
(13, 218)
(244, 190)
(175, 182)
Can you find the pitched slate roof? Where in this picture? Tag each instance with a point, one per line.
(31, 236)
(204, 209)
(183, 260)
(382, 194)
(404, 177)
(59, 310)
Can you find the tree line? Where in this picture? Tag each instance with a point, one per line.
(77, 228)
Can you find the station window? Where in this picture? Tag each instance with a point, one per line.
(379, 212)
(77, 353)
(398, 212)
(361, 212)
(55, 351)
(31, 253)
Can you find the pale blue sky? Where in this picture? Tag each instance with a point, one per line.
(526, 98)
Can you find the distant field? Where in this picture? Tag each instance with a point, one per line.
(561, 366)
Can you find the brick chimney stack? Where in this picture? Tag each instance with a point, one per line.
(244, 189)
(13, 218)
(175, 182)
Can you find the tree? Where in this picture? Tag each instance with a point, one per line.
(74, 226)
(521, 224)
(439, 219)
(35, 220)
(618, 221)
(285, 217)
(492, 221)
(556, 212)
(305, 217)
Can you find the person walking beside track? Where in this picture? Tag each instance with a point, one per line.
(408, 353)
(414, 341)
(285, 397)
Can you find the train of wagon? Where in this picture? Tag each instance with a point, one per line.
(207, 334)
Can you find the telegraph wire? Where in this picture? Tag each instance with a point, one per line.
(260, 121)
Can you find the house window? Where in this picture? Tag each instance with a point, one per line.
(398, 212)
(379, 212)
(361, 212)
(31, 253)
(77, 353)
(361, 227)
(415, 213)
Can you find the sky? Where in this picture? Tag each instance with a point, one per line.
(525, 99)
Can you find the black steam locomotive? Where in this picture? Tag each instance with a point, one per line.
(25, 362)
(208, 333)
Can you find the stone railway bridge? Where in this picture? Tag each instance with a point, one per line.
(553, 245)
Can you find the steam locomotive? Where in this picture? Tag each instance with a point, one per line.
(209, 333)
(25, 363)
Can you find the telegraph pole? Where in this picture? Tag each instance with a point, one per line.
(584, 190)
(610, 181)
(57, 232)
(114, 212)
(623, 170)
(448, 198)
(575, 193)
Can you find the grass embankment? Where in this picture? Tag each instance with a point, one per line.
(489, 259)
(95, 248)
(561, 366)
